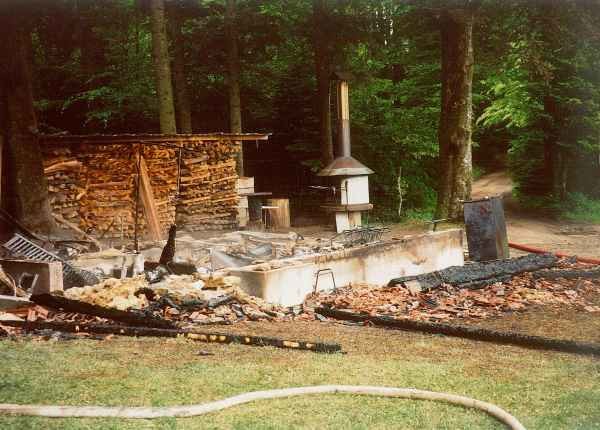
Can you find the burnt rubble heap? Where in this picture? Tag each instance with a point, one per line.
(451, 302)
(217, 298)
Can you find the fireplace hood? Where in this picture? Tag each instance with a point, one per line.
(345, 165)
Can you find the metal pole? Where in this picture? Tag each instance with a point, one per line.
(343, 119)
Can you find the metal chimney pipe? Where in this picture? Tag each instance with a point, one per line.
(343, 164)
(343, 110)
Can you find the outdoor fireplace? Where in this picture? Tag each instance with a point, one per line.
(347, 174)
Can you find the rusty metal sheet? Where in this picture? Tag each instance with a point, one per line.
(486, 229)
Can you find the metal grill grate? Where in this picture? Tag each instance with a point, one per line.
(360, 235)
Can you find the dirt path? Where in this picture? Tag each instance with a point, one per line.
(529, 229)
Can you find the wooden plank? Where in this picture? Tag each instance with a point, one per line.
(195, 200)
(226, 199)
(196, 160)
(148, 202)
(466, 332)
(202, 336)
(227, 178)
(1, 151)
(279, 218)
(12, 302)
(149, 139)
(109, 184)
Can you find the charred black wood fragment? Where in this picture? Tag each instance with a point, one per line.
(568, 274)
(188, 333)
(132, 317)
(474, 333)
(479, 274)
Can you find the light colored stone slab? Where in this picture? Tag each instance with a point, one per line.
(374, 264)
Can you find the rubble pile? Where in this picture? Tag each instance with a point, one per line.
(112, 293)
(186, 299)
(448, 302)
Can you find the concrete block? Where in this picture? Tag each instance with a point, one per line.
(375, 263)
(355, 190)
(14, 303)
(50, 277)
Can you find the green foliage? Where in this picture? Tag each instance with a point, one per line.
(545, 94)
(395, 111)
(536, 87)
(510, 90)
(100, 80)
(579, 207)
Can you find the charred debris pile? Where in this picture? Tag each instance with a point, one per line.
(178, 296)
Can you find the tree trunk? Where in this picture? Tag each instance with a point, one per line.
(27, 189)
(555, 157)
(182, 99)
(162, 68)
(456, 114)
(233, 65)
(322, 71)
(92, 45)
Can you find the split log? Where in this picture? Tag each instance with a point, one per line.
(474, 333)
(136, 318)
(189, 333)
(478, 274)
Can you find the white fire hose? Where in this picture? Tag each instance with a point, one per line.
(204, 408)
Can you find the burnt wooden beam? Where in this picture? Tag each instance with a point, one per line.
(200, 336)
(473, 333)
(479, 274)
(135, 318)
(568, 274)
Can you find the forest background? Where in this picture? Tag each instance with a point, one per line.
(264, 66)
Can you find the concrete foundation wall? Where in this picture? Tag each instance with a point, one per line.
(373, 264)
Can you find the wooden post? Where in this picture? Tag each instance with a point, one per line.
(148, 202)
(280, 218)
(1, 151)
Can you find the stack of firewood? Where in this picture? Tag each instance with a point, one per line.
(109, 201)
(162, 170)
(93, 184)
(208, 198)
(66, 183)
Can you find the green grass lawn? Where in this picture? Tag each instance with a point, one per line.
(545, 390)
